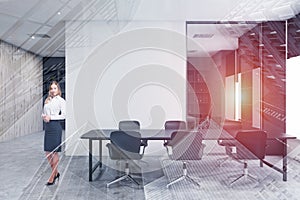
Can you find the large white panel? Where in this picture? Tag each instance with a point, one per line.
(229, 97)
(292, 96)
(256, 98)
(137, 74)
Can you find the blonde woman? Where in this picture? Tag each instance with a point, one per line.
(54, 111)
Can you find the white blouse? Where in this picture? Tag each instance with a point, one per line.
(56, 108)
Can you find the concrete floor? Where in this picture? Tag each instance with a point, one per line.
(24, 172)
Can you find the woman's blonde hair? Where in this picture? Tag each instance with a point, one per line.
(58, 88)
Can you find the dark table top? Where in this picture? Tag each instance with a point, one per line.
(149, 134)
(161, 134)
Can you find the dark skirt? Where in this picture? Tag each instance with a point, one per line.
(52, 138)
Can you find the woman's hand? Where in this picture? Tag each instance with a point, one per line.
(46, 118)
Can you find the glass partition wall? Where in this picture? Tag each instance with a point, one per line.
(292, 76)
(215, 45)
(250, 58)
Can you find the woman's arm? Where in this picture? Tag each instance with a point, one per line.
(62, 115)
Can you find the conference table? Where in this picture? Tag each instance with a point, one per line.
(161, 134)
(104, 134)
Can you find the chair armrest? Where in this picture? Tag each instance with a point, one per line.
(169, 149)
(111, 150)
(142, 150)
(226, 142)
(144, 143)
(166, 143)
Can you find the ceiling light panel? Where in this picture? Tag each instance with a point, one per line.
(16, 8)
(203, 35)
(46, 10)
(6, 22)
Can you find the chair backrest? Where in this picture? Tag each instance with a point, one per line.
(131, 125)
(187, 145)
(175, 125)
(251, 144)
(126, 145)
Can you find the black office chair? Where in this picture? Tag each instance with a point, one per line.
(229, 126)
(132, 125)
(125, 145)
(251, 145)
(174, 125)
(129, 125)
(186, 145)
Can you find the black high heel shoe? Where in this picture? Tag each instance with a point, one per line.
(51, 183)
(57, 176)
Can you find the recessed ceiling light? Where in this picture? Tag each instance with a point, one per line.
(39, 35)
(203, 35)
(59, 13)
(273, 32)
(271, 77)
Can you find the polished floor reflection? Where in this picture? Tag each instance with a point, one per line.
(24, 172)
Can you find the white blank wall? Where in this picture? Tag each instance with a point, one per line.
(139, 73)
(292, 96)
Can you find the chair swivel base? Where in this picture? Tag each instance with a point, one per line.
(126, 176)
(245, 176)
(183, 177)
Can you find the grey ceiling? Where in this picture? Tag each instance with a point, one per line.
(45, 19)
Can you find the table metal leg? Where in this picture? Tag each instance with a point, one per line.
(284, 159)
(261, 164)
(99, 163)
(100, 155)
(90, 160)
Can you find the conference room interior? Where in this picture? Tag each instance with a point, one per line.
(218, 74)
